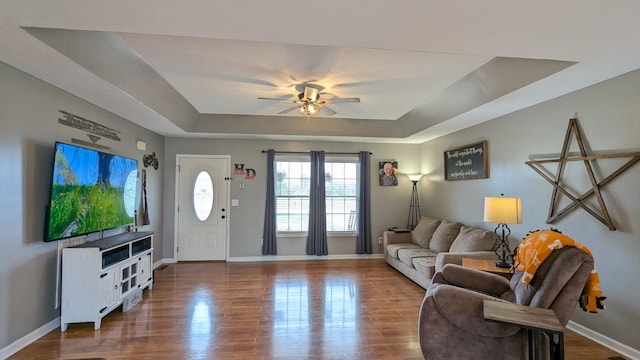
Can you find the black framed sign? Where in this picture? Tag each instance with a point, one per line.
(466, 162)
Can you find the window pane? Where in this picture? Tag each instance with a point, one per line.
(340, 188)
(335, 223)
(203, 195)
(292, 195)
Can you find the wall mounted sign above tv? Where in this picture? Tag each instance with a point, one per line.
(91, 191)
(467, 162)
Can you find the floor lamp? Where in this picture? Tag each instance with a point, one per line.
(503, 211)
(414, 205)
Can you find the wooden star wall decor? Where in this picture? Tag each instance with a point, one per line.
(579, 200)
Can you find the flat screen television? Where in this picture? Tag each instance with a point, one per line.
(91, 191)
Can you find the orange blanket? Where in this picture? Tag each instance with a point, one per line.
(535, 248)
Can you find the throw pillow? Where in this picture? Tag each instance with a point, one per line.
(473, 239)
(423, 232)
(444, 236)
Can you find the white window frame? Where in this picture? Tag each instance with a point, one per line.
(290, 158)
(351, 219)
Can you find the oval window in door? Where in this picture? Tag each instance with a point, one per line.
(203, 195)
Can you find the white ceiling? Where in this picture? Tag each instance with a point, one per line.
(422, 69)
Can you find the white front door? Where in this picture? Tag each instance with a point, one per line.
(202, 212)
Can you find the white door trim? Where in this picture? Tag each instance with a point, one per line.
(177, 200)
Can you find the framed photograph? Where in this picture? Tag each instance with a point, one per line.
(388, 173)
(467, 162)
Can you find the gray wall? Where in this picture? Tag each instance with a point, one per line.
(28, 130)
(390, 203)
(609, 115)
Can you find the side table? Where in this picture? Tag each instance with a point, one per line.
(396, 229)
(535, 320)
(486, 265)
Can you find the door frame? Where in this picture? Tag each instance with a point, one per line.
(177, 200)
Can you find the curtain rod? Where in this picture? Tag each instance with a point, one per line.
(306, 152)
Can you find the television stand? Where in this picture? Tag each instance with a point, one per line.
(97, 276)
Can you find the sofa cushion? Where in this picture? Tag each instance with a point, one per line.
(407, 255)
(425, 265)
(392, 249)
(444, 235)
(423, 232)
(473, 239)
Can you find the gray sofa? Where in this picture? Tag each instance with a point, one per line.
(432, 244)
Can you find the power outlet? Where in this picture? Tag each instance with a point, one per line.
(379, 239)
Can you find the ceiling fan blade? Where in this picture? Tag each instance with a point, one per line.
(329, 111)
(286, 111)
(341, 100)
(277, 99)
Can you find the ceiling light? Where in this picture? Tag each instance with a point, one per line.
(309, 108)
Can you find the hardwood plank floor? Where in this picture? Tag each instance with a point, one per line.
(336, 309)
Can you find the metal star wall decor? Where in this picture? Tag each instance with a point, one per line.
(579, 200)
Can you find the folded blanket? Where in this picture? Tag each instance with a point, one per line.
(535, 248)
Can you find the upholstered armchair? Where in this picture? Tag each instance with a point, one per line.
(451, 322)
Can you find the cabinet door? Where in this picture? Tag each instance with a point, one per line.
(128, 277)
(144, 263)
(109, 292)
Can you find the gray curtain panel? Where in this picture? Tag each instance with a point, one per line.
(363, 240)
(317, 233)
(269, 246)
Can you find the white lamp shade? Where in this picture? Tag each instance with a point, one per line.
(414, 177)
(503, 210)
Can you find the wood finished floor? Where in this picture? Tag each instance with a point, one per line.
(336, 309)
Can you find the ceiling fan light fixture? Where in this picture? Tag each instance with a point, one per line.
(309, 108)
(309, 102)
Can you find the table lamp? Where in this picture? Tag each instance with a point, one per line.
(503, 211)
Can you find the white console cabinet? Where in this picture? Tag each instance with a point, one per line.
(98, 275)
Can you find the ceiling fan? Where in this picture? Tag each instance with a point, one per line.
(308, 102)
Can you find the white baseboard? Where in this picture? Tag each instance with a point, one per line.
(304, 257)
(162, 262)
(614, 345)
(287, 258)
(29, 338)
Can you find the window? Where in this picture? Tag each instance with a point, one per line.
(292, 195)
(203, 195)
(292, 181)
(341, 185)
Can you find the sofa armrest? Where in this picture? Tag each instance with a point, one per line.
(390, 237)
(445, 258)
(472, 279)
(464, 309)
